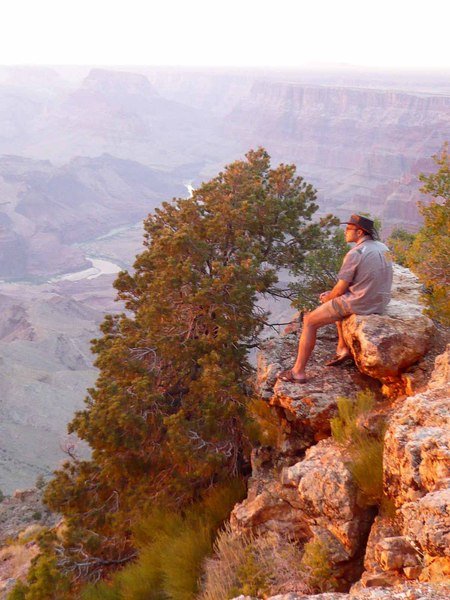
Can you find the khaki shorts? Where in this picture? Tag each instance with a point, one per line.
(336, 310)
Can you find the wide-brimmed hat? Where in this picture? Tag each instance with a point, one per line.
(363, 223)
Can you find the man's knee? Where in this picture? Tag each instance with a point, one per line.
(318, 317)
(310, 320)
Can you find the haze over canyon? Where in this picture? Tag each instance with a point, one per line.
(86, 154)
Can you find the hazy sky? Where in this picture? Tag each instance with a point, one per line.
(385, 33)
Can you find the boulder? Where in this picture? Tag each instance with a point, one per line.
(406, 591)
(305, 410)
(384, 346)
(417, 441)
(427, 521)
(328, 495)
(382, 528)
(269, 510)
(395, 553)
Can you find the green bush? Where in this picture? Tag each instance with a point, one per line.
(344, 427)
(45, 582)
(365, 448)
(172, 549)
(264, 427)
(316, 560)
(399, 243)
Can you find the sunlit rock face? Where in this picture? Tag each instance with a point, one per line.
(415, 543)
(385, 346)
(406, 591)
(305, 410)
(417, 441)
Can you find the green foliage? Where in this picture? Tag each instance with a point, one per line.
(365, 448)
(167, 417)
(45, 582)
(429, 254)
(18, 592)
(366, 466)
(399, 243)
(102, 591)
(316, 560)
(2, 496)
(344, 427)
(172, 548)
(318, 272)
(264, 427)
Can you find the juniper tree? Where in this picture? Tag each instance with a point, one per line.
(166, 418)
(429, 253)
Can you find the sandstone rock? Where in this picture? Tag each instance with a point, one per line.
(428, 522)
(394, 553)
(405, 591)
(440, 378)
(268, 507)
(384, 346)
(417, 446)
(413, 572)
(305, 410)
(377, 579)
(381, 528)
(328, 495)
(436, 569)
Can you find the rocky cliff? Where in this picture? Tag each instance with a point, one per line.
(307, 487)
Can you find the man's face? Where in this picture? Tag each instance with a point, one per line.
(352, 234)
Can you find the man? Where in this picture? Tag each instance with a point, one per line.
(363, 288)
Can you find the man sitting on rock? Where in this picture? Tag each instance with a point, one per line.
(363, 288)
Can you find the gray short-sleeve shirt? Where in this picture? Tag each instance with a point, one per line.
(367, 267)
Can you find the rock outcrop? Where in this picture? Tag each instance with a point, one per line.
(305, 489)
(385, 346)
(421, 591)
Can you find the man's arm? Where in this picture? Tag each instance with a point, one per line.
(340, 288)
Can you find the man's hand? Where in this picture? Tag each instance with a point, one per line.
(324, 296)
(339, 289)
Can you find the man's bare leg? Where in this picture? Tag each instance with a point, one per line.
(311, 323)
(342, 348)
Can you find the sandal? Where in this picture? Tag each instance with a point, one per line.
(288, 376)
(338, 359)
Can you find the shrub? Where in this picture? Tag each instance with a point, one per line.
(250, 565)
(429, 254)
(399, 243)
(317, 563)
(172, 548)
(365, 448)
(264, 426)
(344, 427)
(45, 582)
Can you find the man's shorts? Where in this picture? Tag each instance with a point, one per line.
(336, 310)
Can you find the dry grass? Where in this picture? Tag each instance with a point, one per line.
(15, 560)
(250, 565)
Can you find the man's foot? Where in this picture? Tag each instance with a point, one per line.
(290, 377)
(339, 359)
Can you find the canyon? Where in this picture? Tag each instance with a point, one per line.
(86, 154)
